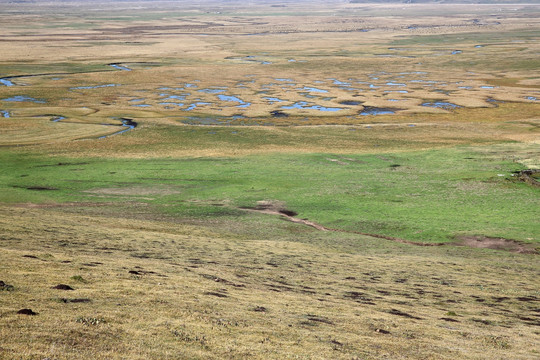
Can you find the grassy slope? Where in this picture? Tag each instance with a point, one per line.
(427, 196)
(203, 294)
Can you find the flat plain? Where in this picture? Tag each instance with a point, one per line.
(269, 180)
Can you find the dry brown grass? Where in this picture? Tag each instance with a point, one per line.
(159, 289)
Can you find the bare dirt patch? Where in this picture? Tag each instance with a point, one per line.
(529, 176)
(486, 242)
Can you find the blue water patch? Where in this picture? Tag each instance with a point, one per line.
(441, 105)
(455, 52)
(190, 85)
(171, 103)
(338, 82)
(136, 100)
(479, 46)
(211, 91)
(244, 105)
(305, 105)
(486, 87)
(413, 72)
(230, 98)
(173, 97)
(169, 88)
(20, 98)
(425, 81)
(284, 80)
(265, 62)
(128, 124)
(6, 82)
(193, 106)
(57, 118)
(272, 100)
(347, 102)
(142, 105)
(395, 84)
(397, 91)
(465, 87)
(5, 113)
(120, 67)
(370, 110)
(314, 89)
(93, 87)
(532, 98)
(291, 60)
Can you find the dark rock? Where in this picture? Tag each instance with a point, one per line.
(26, 312)
(62, 287)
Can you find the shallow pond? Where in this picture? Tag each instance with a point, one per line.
(351, 102)
(21, 98)
(397, 91)
(171, 103)
(212, 91)
(57, 118)
(119, 67)
(5, 113)
(6, 82)
(195, 105)
(284, 80)
(230, 98)
(441, 105)
(395, 84)
(304, 105)
(371, 110)
(272, 100)
(93, 87)
(173, 97)
(314, 89)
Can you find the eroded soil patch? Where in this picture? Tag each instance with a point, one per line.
(486, 242)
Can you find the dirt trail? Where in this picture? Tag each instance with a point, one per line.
(273, 209)
(276, 208)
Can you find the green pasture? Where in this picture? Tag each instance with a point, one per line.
(430, 196)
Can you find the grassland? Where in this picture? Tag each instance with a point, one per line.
(269, 181)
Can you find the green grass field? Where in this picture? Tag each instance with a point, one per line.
(431, 196)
